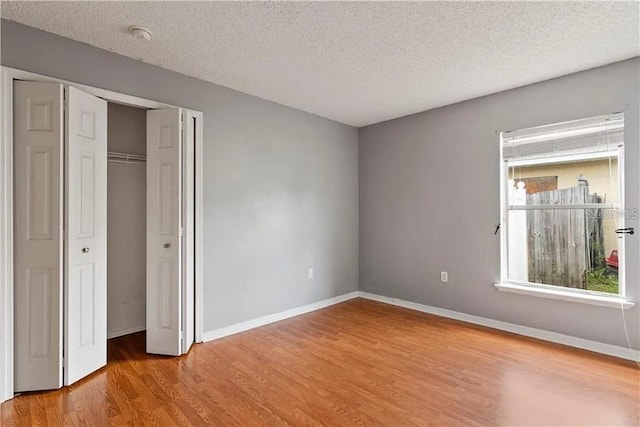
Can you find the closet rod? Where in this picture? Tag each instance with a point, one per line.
(125, 157)
(127, 162)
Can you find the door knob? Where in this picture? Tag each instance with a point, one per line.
(85, 250)
(167, 245)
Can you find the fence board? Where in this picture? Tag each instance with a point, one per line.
(563, 244)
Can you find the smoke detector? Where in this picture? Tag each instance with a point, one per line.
(141, 33)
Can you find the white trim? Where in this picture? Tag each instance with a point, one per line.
(622, 241)
(6, 235)
(111, 96)
(126, 331)
(276, 317)
(614, 301)
(7, 75)
(503, 223)
(199, 235)
(598, 347)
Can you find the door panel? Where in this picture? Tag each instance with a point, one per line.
(39, 292)
(86, 251)
(38, 216)
(188, 225)
(164, 192)
(87, 195)
(39, 191)
(166, 199)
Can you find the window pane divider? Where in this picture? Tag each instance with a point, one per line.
(567, 206)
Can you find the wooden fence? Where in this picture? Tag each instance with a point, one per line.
(564, 243)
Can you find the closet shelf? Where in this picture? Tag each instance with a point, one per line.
(126, 157)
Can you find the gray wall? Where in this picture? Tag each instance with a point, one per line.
(281, 191)
(429, 201)
(281, 186)
(126, 222)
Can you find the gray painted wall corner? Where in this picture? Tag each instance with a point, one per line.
(280, 184)
(429, 201)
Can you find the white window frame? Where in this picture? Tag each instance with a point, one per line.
(555, 291)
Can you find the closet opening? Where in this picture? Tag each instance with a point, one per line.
(126, 219)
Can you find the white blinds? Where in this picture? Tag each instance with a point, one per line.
(599, 134)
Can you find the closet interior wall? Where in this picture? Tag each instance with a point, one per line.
(126, 222)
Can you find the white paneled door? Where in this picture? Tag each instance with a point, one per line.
(164, 231)
(86, 231)
(38, 241)
(60, 187)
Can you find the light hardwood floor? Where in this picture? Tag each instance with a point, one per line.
(356, 363)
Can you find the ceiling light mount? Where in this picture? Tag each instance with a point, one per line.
(140, 33)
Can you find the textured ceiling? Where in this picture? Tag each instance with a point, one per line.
(357, 63)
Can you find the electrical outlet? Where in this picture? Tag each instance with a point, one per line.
(310, 273)
(444, 276)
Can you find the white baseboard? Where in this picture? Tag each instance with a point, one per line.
(271, 318)
(598, 347)
(126, 331)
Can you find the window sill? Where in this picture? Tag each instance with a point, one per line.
(600, 300)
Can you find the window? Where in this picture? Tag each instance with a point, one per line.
(563, 206)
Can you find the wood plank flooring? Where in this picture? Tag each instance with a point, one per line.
(356, 363)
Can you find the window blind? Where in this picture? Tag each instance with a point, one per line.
(599, 134)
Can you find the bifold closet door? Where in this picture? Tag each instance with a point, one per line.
(38, 241)
(164, 222)
(86, 229)
(59, 184)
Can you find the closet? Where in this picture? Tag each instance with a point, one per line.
(104, 199)
(126, 219)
